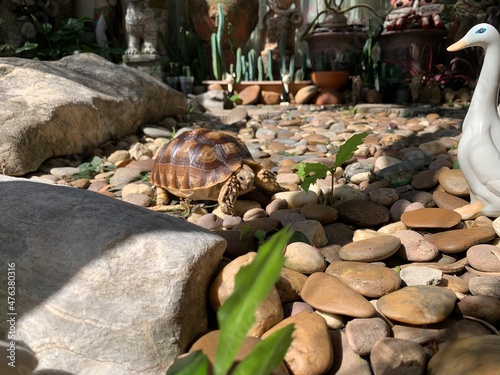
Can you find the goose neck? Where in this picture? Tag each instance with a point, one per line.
(486, 92)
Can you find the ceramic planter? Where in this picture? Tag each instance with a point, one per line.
(411, 49)
(338, 45)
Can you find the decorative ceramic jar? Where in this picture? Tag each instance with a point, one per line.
(412, 49)
(344, 45)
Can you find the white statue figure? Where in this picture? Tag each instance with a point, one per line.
(141, 26)
(104, 15)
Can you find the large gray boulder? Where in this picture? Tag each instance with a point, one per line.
(101, 286)
(52, 108)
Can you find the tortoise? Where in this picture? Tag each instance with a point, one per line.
(205, 164)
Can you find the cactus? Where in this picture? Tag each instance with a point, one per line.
(200, 62)
(244, 68)
(252, 56)
(291, 69)
(239, 68)
(283, 52)
(215, 57)
(303, 66)
(218, 62)
(323, 63)
(183, 45)
(186, 71)
(260, 69)
(269, 72)
(220, 32)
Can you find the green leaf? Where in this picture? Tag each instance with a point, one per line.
(253, 284)
(27, 47)
(244, 230)
(45, 28)
(346, 151)
(260, 234)
(309, 173)
(299, 237)
(195, 363)
(267, 354)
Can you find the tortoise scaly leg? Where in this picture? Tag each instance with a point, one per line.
(228, 194)
(161, 196)
(267, 181)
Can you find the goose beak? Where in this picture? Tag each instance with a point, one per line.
(461, 44)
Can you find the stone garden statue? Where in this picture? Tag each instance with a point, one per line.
(284, 16)
(104, 15)
(141, 27)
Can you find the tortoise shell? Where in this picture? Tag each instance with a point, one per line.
(197, 163)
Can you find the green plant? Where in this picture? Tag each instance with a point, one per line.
(309, 173)
(370, 66)
(190, 53)
(324, 63)
(235, 317)
(8, 50)
(93, 167)
(218, 62)
(335, 12)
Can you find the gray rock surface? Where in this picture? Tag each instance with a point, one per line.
(71, 105)
(102, 286)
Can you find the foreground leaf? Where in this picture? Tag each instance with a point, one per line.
(346, 151)
(309, 173)
(195, 363)
(268, 354)
(253, 284)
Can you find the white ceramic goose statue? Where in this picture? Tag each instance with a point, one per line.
(479, 147)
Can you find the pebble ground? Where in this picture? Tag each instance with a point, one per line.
(389, 274)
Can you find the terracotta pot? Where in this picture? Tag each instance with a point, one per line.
(242, 14)
(330, 80)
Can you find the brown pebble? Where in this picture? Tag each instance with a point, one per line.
(311, 350)
(81, 183)
(448, 201)
(208, 345)
(422, 304)
(371, 249)
(431, 218)
(455, 241)
(396, 356)
(324, 214)
(454, 183)
(363, 213)
(370, 280)
(474, 355)
(484, 258)
(327, 293)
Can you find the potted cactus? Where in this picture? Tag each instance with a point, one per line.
(249, 69)
(329, 74)
(331, 34)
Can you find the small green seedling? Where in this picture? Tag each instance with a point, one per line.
(309, 173)
(93, 167)
(235, 317)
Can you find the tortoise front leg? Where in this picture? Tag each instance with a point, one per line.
(228, 194)
(267, 181)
